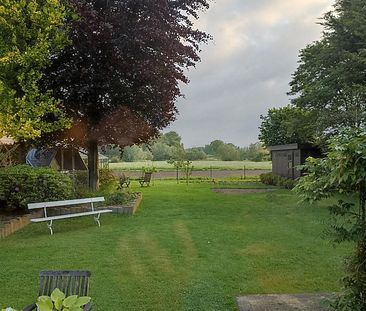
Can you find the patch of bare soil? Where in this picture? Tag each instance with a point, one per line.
(240, 191)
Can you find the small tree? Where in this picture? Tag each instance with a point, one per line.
(343, 171)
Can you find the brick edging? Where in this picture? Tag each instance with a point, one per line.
(17, 223)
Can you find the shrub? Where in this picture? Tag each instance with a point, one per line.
(106, 176)
(117, 198)
(22, 184)
(275, 180)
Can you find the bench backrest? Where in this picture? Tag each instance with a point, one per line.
(147, 177)
(69, 282)
(65, 203)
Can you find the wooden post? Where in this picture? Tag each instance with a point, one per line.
(62, 160)
(73, 159)
(211, 175)
(93, 165)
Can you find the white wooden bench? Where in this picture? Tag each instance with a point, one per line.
(50, 219)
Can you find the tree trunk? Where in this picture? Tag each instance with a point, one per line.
(21, 153)
(93, 161)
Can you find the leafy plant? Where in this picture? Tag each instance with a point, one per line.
(275, 180)
(22, 184)
(343, 171)
(149, 169)
(58, 301)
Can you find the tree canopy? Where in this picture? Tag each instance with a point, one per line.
(118, 80)
(330, 79)
(287, 125)
(31, 31)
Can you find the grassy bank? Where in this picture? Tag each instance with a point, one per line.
(187, 248)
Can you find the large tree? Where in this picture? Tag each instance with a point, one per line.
(119, 79)
(287, 125)
(30, 32)
(330, 79)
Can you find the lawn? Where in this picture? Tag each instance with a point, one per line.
(187, 248)
(198, 165)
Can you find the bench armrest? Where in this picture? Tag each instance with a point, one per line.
(30, 307)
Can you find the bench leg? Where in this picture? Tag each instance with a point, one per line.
(49, 225)
(96, 218)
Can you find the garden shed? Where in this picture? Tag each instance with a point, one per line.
(59, 159)
(286, 158)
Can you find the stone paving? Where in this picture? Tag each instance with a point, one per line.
(299, 302)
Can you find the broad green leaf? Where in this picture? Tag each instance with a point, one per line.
(44, 303)
(82, 301)
(58, 304)
(57, 295)
(70, 301)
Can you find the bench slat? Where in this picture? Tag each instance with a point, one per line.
(71, 215)
(65, 203)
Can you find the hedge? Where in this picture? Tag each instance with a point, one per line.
(22, 184)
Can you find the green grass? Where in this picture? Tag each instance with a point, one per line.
(198, 165)
(187, 248)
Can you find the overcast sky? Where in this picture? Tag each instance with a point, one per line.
(246, 69)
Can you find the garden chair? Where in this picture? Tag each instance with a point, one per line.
(145, 180)
(69, 282)
(123, 181)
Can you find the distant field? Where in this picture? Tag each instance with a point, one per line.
(198, 165)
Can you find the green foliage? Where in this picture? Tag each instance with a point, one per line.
(171, 139)
(275, 180)
(58, 301)
(30, 32)
(228, 152)
(194, 154)
(149, 169)
(136, 153)
(286, 125)
(20, 185)
(161, 151)
(107, 178)
(118, 197)
(213, 147)
(255, 152)
(343, 171)
(329, 80)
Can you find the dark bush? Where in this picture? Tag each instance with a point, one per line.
(275, 180)
(22, 184)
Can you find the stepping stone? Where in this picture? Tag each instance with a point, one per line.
(298, 302)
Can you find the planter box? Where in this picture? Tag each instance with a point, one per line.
(130, 207)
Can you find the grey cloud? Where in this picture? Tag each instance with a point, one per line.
(247, 68)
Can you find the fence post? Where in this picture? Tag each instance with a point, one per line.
(211, 176)
(244, 172)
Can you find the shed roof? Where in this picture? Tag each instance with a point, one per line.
(291, 147)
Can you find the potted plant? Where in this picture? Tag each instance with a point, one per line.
(58, 301)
